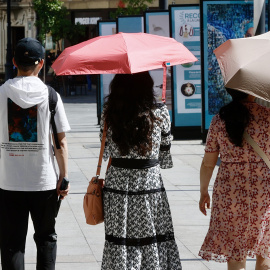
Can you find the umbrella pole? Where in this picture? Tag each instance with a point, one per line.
(164, 83)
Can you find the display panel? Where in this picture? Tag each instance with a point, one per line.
(221, 20)
(105, 28)
(130, 24)
(157, 23)
(185, 28)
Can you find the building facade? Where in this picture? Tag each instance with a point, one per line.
(22, 25)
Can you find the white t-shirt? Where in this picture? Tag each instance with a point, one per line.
(27, 162)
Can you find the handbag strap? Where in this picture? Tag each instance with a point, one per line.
(101, 149)
(257, 148)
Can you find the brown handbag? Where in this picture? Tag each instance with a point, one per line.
(93, 199)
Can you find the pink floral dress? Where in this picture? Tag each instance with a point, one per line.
(240, 215)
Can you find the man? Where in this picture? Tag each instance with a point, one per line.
(29, 183)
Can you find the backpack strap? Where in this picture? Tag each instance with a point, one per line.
(52, 105)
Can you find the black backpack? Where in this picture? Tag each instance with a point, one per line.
(52, 105)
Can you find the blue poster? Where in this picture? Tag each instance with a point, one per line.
(130, 24)
(222, 20)
(185, 27)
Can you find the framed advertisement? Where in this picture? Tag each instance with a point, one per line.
(185, 28)
(130, 24)
(157, 23)
(220, 20)
(105, 28)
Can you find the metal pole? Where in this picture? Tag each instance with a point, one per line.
(268, 16)
(8, 65)
(163, 4)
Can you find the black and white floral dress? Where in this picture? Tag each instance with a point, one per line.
(138, 225)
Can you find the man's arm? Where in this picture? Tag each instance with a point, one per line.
(62, 161)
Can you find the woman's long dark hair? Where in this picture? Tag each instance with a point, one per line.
(128, 111)
(236, 116)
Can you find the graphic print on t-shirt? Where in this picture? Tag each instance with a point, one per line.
(22, 123)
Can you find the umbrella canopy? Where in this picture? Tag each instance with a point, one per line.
(121, 53)
(245, 64)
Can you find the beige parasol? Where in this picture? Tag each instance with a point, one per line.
(245, 64)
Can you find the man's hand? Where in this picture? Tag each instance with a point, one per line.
(63, 193)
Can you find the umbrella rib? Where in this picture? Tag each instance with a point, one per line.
(127, 51)
(243, 65)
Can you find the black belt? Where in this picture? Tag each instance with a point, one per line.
(140, 241)
(132, 163)
(141, 192)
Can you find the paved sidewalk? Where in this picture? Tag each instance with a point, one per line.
(80, 245)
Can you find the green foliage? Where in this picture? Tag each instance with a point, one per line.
(133, 7)
(47, 14)
(52, 17)
(66, 29)
(74, 33)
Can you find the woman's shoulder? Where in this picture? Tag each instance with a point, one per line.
(216, 119)
(160, 107)
(217, 123)
(263, 107)
(259, 110)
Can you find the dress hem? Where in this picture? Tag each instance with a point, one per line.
(210, 256)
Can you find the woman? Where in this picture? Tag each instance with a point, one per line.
(239, 225)
(138, 224)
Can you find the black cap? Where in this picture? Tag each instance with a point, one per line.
(28, 52)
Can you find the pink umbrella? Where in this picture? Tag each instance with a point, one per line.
(122, 53)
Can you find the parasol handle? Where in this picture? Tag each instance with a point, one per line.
(164, 83)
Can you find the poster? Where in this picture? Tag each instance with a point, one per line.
(105, 80)
(130, 24)
(157, 23)
(185, 27)
(222, 20)
(105, 28)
